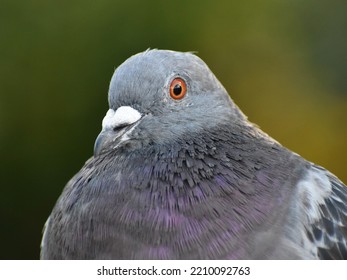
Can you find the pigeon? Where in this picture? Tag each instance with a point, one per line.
(179, 172)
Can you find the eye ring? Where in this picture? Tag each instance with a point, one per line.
(178, 88)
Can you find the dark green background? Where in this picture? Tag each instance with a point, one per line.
(283, 62)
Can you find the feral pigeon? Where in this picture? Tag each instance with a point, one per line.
(179, 172)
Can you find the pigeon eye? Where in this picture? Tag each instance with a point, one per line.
(178, 88)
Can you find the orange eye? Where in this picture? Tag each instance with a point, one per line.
(178, 88)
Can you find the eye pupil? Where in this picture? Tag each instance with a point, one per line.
(177, 89)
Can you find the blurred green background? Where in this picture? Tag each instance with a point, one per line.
(283, 62)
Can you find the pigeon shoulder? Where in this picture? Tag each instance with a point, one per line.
(315, 226)
(319, 215)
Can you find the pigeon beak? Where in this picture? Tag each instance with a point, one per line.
(103, 139)
(115, 126)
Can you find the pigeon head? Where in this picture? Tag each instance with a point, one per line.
(160, 95)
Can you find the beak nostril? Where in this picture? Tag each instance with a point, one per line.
(120, 118)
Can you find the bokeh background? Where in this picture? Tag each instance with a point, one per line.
(283, 62)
